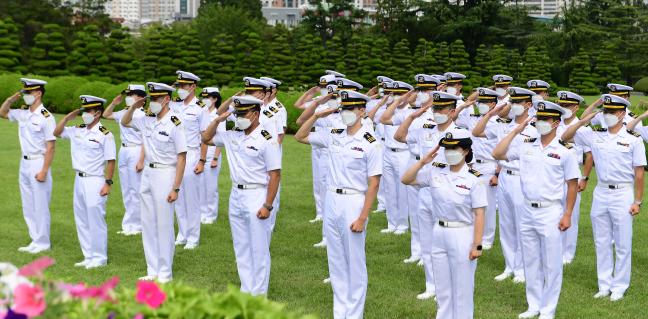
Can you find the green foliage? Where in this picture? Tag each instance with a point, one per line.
(580, 78)
(279, 64)
(639, 86)
(214, 19)
(48, 54)
(119, 47)
(460, 62)
(424, 57)
(60, 93)
(9, 84)
(9, 47)
(88, 56)
(222, 57)
(606, 67)
(401, 62)
(536, 65)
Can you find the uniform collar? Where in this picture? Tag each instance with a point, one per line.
(94, 128)
(254, 134)
(554, 143)
(166, 118)
(38, 109)
(462, 173)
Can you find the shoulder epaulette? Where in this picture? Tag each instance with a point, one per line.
(475, 172)
(369, 137)
(565, 144)
(428, 125)
(279, 105)
(266, 135)
(175, 120)
(501, 120)
(104, 130)
(177, 100)
(634, 133)
(532, 124)
(201, 103)
(24, 107)
(274, 109)
(45, 113)
(439, 165)
(81, 126)
(599, 129)
(337, 130)
(267, 113)
(530, 140)
(632, 115)
(475, 115)
(149, 113)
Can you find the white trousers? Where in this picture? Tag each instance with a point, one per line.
(611, 220)
(570, 236)
(346, 255)
(130, 181)
(509, 202)
(90, 218)
(395, 165)
(454, 272)
(251, 237)
(427, 222)
(488, 170)
(542, 252)
(209, 190)
(319, 161)
(157, 220)
(413, 208)
(188, 204)
(35, 198)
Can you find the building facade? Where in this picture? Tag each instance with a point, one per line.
(136, 13)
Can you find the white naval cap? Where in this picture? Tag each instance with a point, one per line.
(426, 81)
(398, 87)
(487, 95)
(346, 84)
(454, 77)
(158, 89)
(327, 79)
(135, 89)
(31, 84)
(550, 109)
(331, 88)
(502, 79)
(520, 94)
(244, 103)
(538, 85)
(351, 99)
(568, 97)
(254, 84)
(335, 73)
(186, 78)
(619, 89)
(441, 78)
(614, 102)
(210, 91)
(90, 101)
(276, 83)
(383, 79)
(443, 99)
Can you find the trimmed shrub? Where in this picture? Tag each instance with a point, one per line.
(641, 85)
(60, 96)
(9, 84)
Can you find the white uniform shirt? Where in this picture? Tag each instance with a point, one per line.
(482, 146)
(90, 148)
(163, 139)
(192, 116)
(598, 120)
(128, 134)
(379, 127)
(578, 148)
(498, 130)
(270, 120)
(250, 157)
(213, 114)
(422, 123)
(390, 130)
(454, 194)
(281, 112)
(353, 159)
(35, 129)
(428, 138)
(544, 170)
(615, 155)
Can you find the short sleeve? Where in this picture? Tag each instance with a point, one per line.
(643, 130)
(639, 154)
(117, 116)
(399, 118)
(513, 153)
(138, 123)
(491, 130)
(204, 119)
(570, 165)
(179, 140)
(68, 132)
(272, 155)
(478, 196)
(321, 138)
(219, 138)
(463, 120)
(424, 175)
(378, 115)
(375, 159)
(14, 114)
(109, 148)
(48, 128)
(584, 137)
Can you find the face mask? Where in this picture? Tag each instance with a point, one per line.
(381, 92)
(87, 118)
(29, 99)
(537, 98)
(610, 119)
(130, 101)
(567, 114)
(440, 118)
(500, 91)
(243, 123)
(155, 107)
(451, 90)
(348, 117)
(517, 109)
(543, 127)
(207, 102)
(483, 108)
(183, 94)
(453, 157)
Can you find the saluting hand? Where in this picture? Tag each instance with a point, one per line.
(223, 117)
(116, 100)
(590, 116)
(358, 225)
(565, 223)
(420, 111)
(14, 98)
(518, 129)
(427, 159)
(325, 113)
(72, 115)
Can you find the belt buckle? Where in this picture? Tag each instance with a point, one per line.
(535, 205)
(418, 158)
(25, 157)
(239, 186)
(613, 186)
(339, 191)
(479, 161)
(442, 223)
(151, 165)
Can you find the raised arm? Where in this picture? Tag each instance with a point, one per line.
(6, 105)
(307, 96)
(108, 112)
(208, 134)
(128, 116)
(60, 126)
(310, 110)
(637, 120)
(570, 132)
(480, 127)
(409, 178)
(592, 107)
(302, 134)
(500, 150)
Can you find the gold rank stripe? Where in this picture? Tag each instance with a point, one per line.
(450, 142)
(185, 81)
(521, 97)
(245, 107)
(486, 97)
(158, 93)
(502, 83)
(91, 105)
(568, 102)
(547, 114)
(31, 87)
(454, 81)
(427, 84)
(610, 106)
(397, 90)
(353, 103)
(538, 89)
(253, 88)
(443, 103)
(620, 92)
(347, 89)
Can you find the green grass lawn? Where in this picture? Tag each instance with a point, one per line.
(297, 267)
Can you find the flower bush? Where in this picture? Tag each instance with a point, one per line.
(28, 293)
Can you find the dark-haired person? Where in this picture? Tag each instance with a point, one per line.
(37, 142)
(547, 166)
(131, 158)
(211, 98)
(355, 160)
(93, 159)
(458, 198)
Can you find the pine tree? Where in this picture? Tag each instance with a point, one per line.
(250, 56)
(88, 57)
(536, 65)
(606, 67)
(279, 63)
(170, 61)
(498, 61)
(380, 60)
(443, 60)
(460, 62)
(309, 60)
(352, 57)
(221, 55)
(401, 63)
(514, 64)
(48, 55)
(362, 54)
(333, 54)
(424, 57)
(153, 51)
(580, 77)
(120, 56)
(10, 47)
(483, 60)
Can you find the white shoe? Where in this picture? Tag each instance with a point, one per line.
(426, 295)
(387, 231)
(38, 250)
(164, 280)
(567, 261)
(321, 244)
(207, 221)
(93, 265)
(180, 242)
(317, 219)
(327, 280)
(190, 246)
(546, 317)
(487, 246)
(379, 210)
(519, 279)
(420, 263)
(412, 259)
(82, 263)
(26, 249)
(529, 314)
(616, 296)
(503, 276)
(602, 294)
(147, 278)
(400, 232)
(134, 233)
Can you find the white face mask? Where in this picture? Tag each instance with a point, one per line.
(348, 117)
(567, 114)
(453, 157)
(207, 102)
(451, 90)
(440, 118)
(483, 108)
(610, 119)
(243, 123)
(501, 91)
(130, 101)
(29, 99)
(421, 97)
(87, 118)
(517, 109)
(537, 98)
(543, 127)
(381, 92)
(155, 107)
(183, 94)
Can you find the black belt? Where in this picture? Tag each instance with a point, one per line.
(481, 161)
(82, 174)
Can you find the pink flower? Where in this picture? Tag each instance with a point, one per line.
(149, 293)
(82, 291)
(29, 300)
(36, 267)
(139, 316)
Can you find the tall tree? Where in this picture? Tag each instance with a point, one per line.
(460, 62)
(251, 7)
(48, 55)
(221, 54)
(401, 62)
(606, 67)
(10, 47)
(329, 18)
(443, 60)
(536, 65)
(279, 64)
(580, 77)
(88, 56)
(424, 56)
